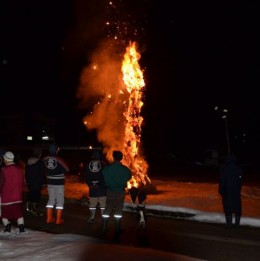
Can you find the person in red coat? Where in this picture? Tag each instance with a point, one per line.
(11, 191)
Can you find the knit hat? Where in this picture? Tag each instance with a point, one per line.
(96, 154)
(53, 149)
(9, 156)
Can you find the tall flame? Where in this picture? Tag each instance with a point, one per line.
(134, 81)
(118, 85)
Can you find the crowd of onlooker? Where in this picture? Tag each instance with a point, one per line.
(107, 182)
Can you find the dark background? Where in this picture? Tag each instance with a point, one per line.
(195, 54)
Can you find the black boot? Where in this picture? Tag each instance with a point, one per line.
(35, 210)
(118, 230)
(104, 224)
(92, 216)
(21, 228)
(237, 220)
(7, 228)
(229, 221)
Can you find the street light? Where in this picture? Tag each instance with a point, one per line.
(224, 116)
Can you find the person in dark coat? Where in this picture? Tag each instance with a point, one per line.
(95, 181)
(230, 183)
(35, 179)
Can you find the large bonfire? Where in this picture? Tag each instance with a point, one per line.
(118, 85)
(134, 82)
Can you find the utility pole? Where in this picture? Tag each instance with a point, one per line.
(225, 117)
(227, 134)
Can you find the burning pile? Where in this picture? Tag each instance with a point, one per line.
(117, 86)
(134, 82)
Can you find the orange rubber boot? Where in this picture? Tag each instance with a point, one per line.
(59, 219)
(50, 218)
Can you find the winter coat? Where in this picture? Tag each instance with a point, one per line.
(230, 183)
(55, 169)
(11, 184)
(95, 179)
(116, 176)
(34, 174)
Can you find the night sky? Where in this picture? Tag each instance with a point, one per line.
(195, 55)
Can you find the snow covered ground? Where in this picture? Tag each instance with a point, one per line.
(200, 199)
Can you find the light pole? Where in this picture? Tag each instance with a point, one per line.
(224, 116)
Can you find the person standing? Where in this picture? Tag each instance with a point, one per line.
(230, 183)
(96, 184)
(56, 169)
(116, 176)
(35, 179)
(11, 191)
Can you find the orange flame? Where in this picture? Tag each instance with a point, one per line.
(134, 81)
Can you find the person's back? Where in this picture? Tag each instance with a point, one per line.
(56, 169)
(116, 176)
(35, 179)
(95, 180)
(94, 176)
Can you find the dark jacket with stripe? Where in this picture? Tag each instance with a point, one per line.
(95, 179)
(55, 170)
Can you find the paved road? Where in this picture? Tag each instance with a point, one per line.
(200, 240)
